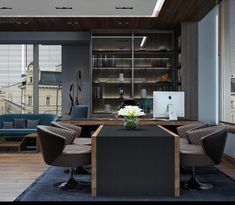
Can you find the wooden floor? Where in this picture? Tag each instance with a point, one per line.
(18, 171)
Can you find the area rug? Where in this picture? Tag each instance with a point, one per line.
(43, 190)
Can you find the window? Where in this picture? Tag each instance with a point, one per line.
(50, 77)
(30, 100)
(31, 79)
(48, 99)
(14, 61)
(227, 61)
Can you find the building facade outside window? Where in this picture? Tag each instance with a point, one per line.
(30, 100)
(48, 99)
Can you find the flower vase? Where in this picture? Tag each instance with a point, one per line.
(131, 124)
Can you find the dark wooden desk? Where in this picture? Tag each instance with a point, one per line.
(114, 121)
(144, 162)
(90, 125)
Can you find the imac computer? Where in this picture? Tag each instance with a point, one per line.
(168, 105)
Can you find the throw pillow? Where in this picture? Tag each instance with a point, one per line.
(19, 123)
(7, 125)
(32, 124)
(69, 135)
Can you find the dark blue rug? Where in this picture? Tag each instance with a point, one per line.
(42, 189)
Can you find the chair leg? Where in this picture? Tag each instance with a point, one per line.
(71, 184)
(193, 183)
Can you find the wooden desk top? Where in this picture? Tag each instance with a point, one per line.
(115, 121)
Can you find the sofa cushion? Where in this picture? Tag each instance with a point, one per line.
(7, 125)
(19, 123)
(32, 124)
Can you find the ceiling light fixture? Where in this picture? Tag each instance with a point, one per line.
(63, 7)
(4, 7)
(157, 8)
(124, 7)
(143, 41)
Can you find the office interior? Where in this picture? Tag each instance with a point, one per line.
(67, 68)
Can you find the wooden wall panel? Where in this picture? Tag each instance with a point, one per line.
(189, 71)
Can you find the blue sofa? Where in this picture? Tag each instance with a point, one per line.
(44, 119)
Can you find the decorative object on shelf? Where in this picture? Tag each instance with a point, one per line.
(164, 78)
(130, 114)
(121, 77)
(107, 108)
(98, 92)
(121, 93)
(143, 93)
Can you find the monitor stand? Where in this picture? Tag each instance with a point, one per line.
(172, 113)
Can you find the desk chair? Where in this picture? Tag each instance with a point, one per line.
(205, 148)
(78, 111)
(57, 152)
(77, 141)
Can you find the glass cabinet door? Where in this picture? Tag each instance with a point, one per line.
(111, 72)
(153, 66)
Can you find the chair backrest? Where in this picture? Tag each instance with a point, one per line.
(51, 144)
(183, 129)
(214, 143)
(67, 126)
(78, 111)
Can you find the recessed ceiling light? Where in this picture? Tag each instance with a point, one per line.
(4, 7)
(157, 8)
(63, 7)
(124, 7)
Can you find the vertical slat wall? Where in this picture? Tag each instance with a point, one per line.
(190, 68)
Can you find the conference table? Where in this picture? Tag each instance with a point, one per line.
(141, 162)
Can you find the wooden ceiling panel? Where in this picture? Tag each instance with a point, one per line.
(173, 12)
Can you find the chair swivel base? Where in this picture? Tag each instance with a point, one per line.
(71, 185)
(193, 184)
(78, 170)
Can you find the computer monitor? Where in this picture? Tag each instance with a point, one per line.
(168, 105)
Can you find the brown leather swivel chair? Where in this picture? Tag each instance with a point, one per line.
(57, 152)
(205, 148)
(78, 140)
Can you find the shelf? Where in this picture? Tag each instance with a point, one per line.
(153, 52)
(111, 68)
(140, 67)
(153, 68)
(135, 68)
(112, 51)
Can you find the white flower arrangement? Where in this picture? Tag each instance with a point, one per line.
(130, 112)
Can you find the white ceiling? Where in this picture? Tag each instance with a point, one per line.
(80, 8)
